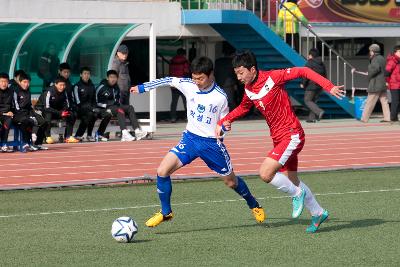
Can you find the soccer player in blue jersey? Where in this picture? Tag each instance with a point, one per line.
(206, 105)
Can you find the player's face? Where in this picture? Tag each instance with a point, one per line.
(112, 79)
(3, 84)
(397, 53)
(245, 75)
(24, 84)
(65, 73)
(60, 86)
(202, 80)
(85, 75)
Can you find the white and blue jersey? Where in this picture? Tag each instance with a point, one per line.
(204, 109)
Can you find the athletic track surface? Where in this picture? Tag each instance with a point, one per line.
(329, 146)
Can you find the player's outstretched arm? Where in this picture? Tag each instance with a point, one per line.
(167, 81)
(338, 91)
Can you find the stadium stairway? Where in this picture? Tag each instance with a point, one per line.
(244, 30)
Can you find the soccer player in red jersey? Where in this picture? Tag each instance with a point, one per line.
(265, 91)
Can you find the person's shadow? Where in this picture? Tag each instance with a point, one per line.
(326, 227)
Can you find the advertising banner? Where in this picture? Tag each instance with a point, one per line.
(367, 11)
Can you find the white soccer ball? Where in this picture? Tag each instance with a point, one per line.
(124, 229)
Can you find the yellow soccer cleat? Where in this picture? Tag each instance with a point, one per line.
(259, 214)
(49, 140)
(158, 218)
(71, 140)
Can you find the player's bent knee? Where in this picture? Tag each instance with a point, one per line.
(230, 183)
(162, 171)
(267, 175)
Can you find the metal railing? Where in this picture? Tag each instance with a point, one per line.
(267, 11)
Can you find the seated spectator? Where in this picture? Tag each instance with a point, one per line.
(25, 117)
(64, 70)
(6, 114)
(108, 100)
(15, 81)
(54, 104)
(85, 97)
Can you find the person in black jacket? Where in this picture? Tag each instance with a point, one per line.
(6, 114)
(313, 90)
(54, 104)
(108, 100)
(64, 71)
(48, 63)
(85, 98)
(25, 117)
(13, 83)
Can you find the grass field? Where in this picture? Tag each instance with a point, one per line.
(212, 226)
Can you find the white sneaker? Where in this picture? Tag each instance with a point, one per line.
(6, 149)
(127, 137)
(102, 138)
(90, 138)
(140, 134)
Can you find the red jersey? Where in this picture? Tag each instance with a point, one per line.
(268, 95)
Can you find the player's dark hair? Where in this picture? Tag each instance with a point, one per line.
(60, 80)
(314, 52)
(84, 69)
(4, 75)
(64, 66)
(18, 72)
(112, 72)
(202, 65)
(24, 76)
(396, 48)
(244, 59)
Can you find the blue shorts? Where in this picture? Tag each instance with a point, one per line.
(210, 150)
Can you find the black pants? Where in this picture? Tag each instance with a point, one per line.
(70, 121)
(27, 122)
(295, 37)
(175, 93)
(310, 97)
(88, 119)
(123, 111)
(394, 106)
(124, 98)
(4, 128)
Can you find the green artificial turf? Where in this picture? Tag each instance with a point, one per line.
(212, 226)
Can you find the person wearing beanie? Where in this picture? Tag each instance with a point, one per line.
(120, 65)
(376, 84)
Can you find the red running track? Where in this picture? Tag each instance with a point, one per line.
(89, 163)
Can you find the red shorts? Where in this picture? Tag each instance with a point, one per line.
(285, 151)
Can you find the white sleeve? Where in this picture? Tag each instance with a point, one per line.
(178, 83)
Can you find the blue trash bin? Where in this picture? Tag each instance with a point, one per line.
(359, 103)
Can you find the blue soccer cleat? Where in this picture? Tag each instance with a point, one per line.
(298, 204)
(316, 222)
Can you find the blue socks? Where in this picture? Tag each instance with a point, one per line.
(164, 190)
(244, 191)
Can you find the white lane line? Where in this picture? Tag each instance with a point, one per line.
(190, 203)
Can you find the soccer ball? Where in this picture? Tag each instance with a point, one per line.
(124, 229)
